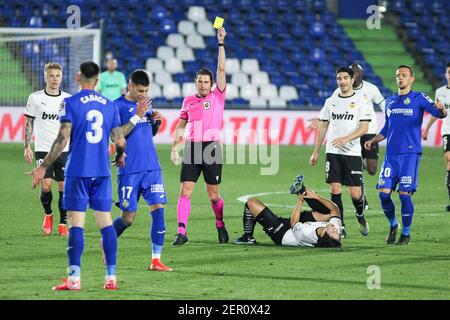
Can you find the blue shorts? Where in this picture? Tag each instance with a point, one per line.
(149, 184)
(401, 169)
(81, 192)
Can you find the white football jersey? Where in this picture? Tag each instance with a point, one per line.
(443, 94)
(302, 234)
(44, 108)
(344, 116)
(373, 96)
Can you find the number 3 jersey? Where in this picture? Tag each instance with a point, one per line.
(92, 117)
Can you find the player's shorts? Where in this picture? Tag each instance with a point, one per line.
(149, 184)
(56, 170)
(81, 192)
(366, 154)
(275, 227)
(401, 169)
(446, 143)
(201, 157)
(346, 170)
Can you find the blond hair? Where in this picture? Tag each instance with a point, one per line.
(52, 65)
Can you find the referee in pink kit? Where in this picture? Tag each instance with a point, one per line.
(203, 112)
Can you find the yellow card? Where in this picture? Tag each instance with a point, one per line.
(218, 23)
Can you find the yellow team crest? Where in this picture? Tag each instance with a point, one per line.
(407, 101)
(206, 105)
(352, 105)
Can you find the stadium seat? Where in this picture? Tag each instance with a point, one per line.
(155, 90)
(288, 93)
(268, 91)
(277, 103)
(188, 89)
(174, 65)
(204, 28)
(232, 66)
(162, 77)
(259, 78)
(175, 40)
(239, 79)
(185, 54)
(258, 102)
(186, 27)
(248, 91)
(195, 41)
(165, 52)
(196, 14)
(171, 90)
(250, 66)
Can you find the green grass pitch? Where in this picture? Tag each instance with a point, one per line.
(31, 263)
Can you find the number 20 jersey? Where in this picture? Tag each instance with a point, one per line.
(92, 117)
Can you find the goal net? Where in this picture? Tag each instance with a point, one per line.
(25, 51)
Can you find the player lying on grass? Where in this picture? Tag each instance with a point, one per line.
(319, 227)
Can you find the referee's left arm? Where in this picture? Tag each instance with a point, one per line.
(221, 76)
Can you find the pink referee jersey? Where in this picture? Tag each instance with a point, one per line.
(204, 116)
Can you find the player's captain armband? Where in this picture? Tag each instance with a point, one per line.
(218, 23)
(62, 109)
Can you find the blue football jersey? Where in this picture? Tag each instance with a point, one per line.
(92, 117)
(403, 121)
(140, 149)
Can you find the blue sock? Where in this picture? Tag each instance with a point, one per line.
(109, 241)
(75, 246)
(407, 213)
(119, 226)
(157, 231)
(388, 208)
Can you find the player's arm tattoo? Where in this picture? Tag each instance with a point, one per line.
(118, 138)
(28, 131)
(58, 145)
(127, 128)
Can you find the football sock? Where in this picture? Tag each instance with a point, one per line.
(157, 232)
(46, 200)
(359, 206)
(62, 211)
(183, 211)
(448, 184)
(109, 242)
(248, 221)
(75, 246)
(407, 213)
(388, 207)
(337, 199)
(119, 226)
(218, 211)
(318, 206)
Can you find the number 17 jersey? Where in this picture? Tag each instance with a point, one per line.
(92, 117)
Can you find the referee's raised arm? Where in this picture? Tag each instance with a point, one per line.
(221, 77)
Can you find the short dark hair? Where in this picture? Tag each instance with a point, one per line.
(411, 70)
(89, 69)
(204, 72)
(345, 69)
(448, 64)
(327, 242)
(139, 76)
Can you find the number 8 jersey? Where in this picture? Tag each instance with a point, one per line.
(92, 117)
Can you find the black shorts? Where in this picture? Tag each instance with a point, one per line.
(275, 227)
(446, 143)
(56, 170)
(366, 154)
(346, 170)
(201, 157)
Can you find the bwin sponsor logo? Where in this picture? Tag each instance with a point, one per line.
(342, 116)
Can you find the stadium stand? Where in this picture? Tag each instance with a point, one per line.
(281, 53)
